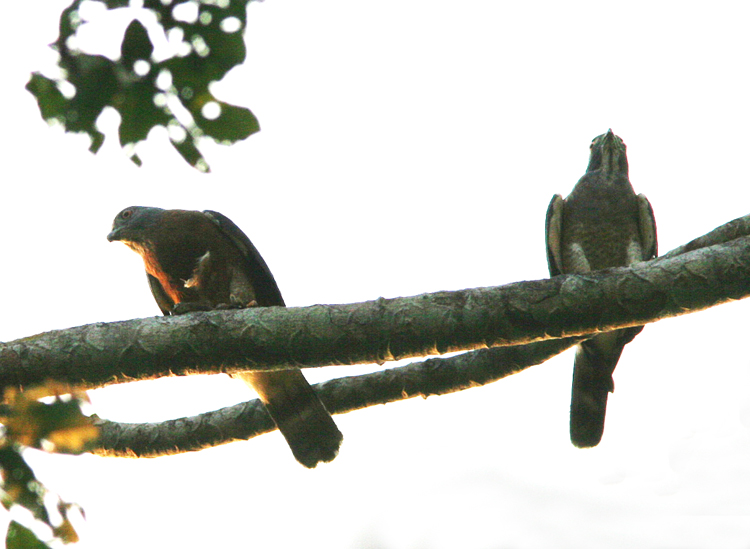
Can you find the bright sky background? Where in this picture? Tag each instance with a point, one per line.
(411, 147)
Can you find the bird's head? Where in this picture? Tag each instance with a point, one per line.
(132, 225)
(609, 154)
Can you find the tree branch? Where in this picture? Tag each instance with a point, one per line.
(434, 376)
(382, 330)
(737, 228)
(520, 320)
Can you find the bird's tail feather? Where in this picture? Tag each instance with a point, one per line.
(299, 414)
(588, 404)
(595, 363)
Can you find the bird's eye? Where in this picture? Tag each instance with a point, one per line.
(126, 214)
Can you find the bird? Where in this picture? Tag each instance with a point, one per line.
(601, 224)
(201, 260)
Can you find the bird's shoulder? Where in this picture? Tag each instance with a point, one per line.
(253, 263)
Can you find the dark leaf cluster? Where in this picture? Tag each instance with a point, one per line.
(148, 92)
(57, 424)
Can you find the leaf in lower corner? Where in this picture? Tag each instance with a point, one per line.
(61, 422)
(66, 532)
(74, 439)
(20, 537)
(19, 485)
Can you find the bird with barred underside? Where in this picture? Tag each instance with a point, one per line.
(601, 224)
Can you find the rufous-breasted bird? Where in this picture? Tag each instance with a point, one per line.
(201, 261)
(601, 224)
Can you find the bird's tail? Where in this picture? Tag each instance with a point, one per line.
(299, 414)
(595, 363)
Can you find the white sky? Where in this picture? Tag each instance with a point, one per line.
(410, 147)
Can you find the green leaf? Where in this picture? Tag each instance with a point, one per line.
(234, 123)
(51, 101)
(96, 84)
(20, 537)
(20, 484)
(93, 77)
(30, 421)
(136, 44)
(190, 153)
(139, 113)
(227, 49)
(191, 75)
(217, 45)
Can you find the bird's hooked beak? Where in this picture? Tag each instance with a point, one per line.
(113, 235)
(608, 152)
(611, 145)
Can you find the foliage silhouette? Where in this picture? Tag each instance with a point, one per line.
(207, 41)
